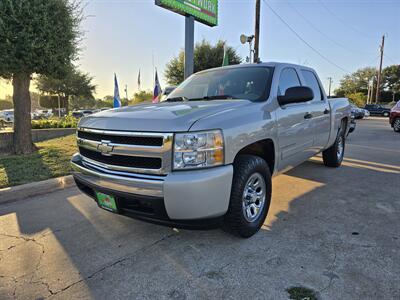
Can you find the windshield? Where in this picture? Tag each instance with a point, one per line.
(252, 83)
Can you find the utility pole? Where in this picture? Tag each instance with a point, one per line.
(330, 85)
(369, 92)
(378, 82)
(257, 33)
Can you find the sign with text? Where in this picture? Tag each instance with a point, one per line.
(204, 11)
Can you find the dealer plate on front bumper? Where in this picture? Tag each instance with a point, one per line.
(107, 202)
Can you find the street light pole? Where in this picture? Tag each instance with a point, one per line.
(330, 85)
(257, 33)
(189, 46)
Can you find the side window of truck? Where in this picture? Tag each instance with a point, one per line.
(287, 79)
(312, 82)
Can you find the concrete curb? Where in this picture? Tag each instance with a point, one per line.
(19, 192)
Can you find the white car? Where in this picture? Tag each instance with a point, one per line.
(7, 115)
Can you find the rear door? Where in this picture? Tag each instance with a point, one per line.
(320, 111)
(295, 130)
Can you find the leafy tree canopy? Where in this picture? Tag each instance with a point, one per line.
(142, 96)
(391, 78)
(38, 36)
(74, 83)
(356, 82)
(206, 56)
(358, 99)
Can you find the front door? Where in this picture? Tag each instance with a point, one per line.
(295, 129)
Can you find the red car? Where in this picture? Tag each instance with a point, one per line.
(394, 118)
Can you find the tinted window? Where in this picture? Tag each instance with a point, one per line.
(287, 80)
(251, 83)
(312, 82)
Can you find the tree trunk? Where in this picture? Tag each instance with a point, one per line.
(22, 114)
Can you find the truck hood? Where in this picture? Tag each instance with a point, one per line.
(163, 117)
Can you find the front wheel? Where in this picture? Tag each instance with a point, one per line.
(333, 156)
(396, 125)
(250, 196)
(386, 114)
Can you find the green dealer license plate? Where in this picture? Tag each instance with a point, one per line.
(107, 202)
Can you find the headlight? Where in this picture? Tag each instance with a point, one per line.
(198, 149)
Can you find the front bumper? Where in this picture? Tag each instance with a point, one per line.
(194, 198)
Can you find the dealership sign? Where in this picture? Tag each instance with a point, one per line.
(204, 11)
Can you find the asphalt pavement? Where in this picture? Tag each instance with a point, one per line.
(334, 231)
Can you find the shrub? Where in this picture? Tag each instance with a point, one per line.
(65, 122)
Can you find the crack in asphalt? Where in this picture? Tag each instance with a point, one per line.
(120, 260)
(330, 268)
(26, 239)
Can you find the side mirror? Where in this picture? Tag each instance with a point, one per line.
(297, 94)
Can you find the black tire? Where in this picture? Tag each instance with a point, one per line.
(386, 114)
(246, 167)
(396, 125)
(330, 156)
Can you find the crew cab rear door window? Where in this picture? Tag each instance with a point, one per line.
(312, 82)
(287, 79)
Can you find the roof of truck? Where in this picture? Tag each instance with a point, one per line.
(265, 64)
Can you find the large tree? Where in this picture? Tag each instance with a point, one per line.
(356, 82)
(74, 83)
(37, 37)
(391, 78)
(206, 56)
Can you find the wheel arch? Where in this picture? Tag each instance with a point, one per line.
(264, 149)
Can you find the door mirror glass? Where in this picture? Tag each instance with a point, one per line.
(297, 94)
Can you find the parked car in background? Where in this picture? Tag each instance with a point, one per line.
(352, 125)
(82, 113)
(366, 113)
(377, 110)
(394, 118)
(168, 90)
(38, 114)
(206, 155)
(357, 112)
(7, 115)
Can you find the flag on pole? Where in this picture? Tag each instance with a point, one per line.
(138, 81)
(117, 100)
(225, 61)
(157, 90)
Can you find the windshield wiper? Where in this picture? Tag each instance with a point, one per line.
(216, 97)
(177, 99)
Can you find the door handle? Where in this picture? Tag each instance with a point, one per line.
(326, 111)
(308, 116)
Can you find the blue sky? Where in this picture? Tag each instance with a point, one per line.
(121, 36)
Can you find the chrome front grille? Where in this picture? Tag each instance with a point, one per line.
(122, 151)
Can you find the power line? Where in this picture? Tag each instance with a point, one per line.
(303, 40)
(391, 59)
(319, 30)
(346, 24)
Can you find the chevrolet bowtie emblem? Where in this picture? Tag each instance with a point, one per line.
(105, 147)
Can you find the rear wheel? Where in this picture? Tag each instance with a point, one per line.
(386, 114)
(333, 156)
(396, 125)
(250, 196)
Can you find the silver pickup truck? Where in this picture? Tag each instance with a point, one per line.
(205, 157)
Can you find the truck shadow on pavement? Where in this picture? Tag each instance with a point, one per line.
(332, 230)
